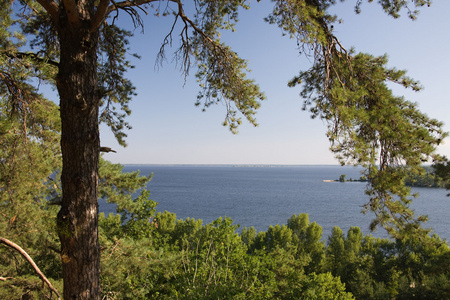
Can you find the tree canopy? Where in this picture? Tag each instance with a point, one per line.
(78, 48)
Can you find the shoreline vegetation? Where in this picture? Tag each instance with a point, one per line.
(425, 179)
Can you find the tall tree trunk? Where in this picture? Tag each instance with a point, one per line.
(78, 217)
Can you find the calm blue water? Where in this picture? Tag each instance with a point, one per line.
(262, 196)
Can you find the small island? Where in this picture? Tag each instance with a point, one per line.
(342, 178)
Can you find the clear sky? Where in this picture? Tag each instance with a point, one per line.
(169, 129)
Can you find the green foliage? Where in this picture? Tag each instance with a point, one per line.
(335, 251)
(369, 126)
(441, 167)
(29, 154)
(166, 222)
(308, 239)
(221, 73)
(214, 262)
(384, 269)
(324, 286)
(25, 287)
(248, 236)
(306, 21)
(189, 260)
(424, 178)
(120, 188)
(434, 176)
(393, 7)
(115, 90)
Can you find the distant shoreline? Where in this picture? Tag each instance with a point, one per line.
(238, 165)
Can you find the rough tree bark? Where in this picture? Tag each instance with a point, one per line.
(79, 108)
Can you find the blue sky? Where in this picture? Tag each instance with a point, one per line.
(169, 129)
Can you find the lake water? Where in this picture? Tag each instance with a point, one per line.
(260, 196)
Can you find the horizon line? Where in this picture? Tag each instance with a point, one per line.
(233, 164)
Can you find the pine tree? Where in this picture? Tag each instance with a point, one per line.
(29, 155)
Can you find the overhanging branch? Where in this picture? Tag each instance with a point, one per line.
(127, 4)
(32, 263)
(34, 56)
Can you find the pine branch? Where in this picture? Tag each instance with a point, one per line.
(33, 56)
(6, 278)
(100, 14)
(32, 263)
(107, 149)
(51, 7)
(127, 4)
